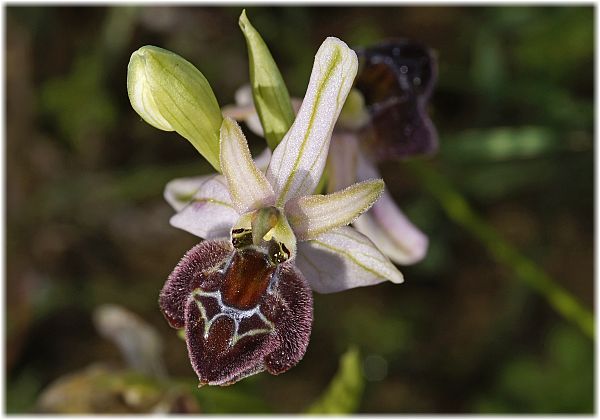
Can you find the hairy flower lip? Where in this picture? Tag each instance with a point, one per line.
(234, 326)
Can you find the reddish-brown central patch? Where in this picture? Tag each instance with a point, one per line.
(246, 279)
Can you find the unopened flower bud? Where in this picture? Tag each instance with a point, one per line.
(171, 94)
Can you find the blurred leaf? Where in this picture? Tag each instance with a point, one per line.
(498, 181)
(344, 392)
(270, 94)
(505, 143)
(374, 330)
(234, 399)
(97, 389)
(82, 89)
(68, 196)
(22, 391)
(459, 210)
(364, 32)
(487, 70)
(560, 382)
(549, 50)
(139, 342)
(494, 181)
(118, 27)
(542, 102)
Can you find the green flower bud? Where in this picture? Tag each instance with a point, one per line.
(171, 94)
(270, 94)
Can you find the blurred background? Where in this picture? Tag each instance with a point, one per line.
(496, 319)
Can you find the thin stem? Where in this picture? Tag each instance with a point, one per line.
(458, 210)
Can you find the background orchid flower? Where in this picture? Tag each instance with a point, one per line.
(396, 79)
(243, 296)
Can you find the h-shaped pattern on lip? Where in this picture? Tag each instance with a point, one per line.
(235, 314)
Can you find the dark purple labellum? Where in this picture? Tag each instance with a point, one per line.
(241, 313)
(396, 79)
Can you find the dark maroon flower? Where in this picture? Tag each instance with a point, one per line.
(242, 313)
(396, 79)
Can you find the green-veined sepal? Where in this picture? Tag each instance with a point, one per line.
(298, 161)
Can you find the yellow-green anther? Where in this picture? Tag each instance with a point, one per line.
(283, 234)
(354, 113)
(171, 94)
(263, 221)
(270, 94)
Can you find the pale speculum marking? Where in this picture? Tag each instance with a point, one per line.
(235, 314)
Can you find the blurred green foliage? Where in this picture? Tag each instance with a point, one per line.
(343, 394)
(63, 98)
(527, 382)
(527, 271)
(87, 225)
(231, 400)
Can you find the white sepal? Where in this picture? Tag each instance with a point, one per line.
(210, 213)
(179, 192)
(343, 259)
(298, 161)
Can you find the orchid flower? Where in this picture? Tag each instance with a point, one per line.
(396, 80)
(384, 118)
(244, 294)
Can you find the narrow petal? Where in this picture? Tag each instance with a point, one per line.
(388, 227)
(248, 186)
(299, 159)
(210, 213)
(343, 259)
(392, 232)
(313, 215)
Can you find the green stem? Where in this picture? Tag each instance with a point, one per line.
(458, 210)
